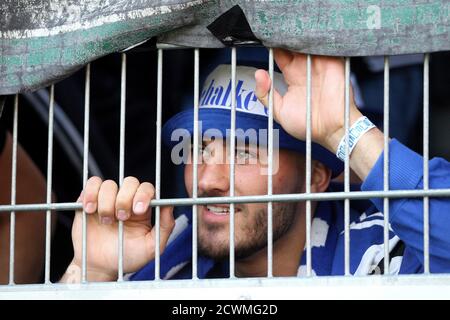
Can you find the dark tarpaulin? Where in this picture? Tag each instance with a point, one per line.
(42, 41)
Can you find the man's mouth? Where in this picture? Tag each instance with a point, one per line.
(220, 210)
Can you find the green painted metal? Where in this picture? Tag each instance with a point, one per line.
(42, 41)
(39, 48)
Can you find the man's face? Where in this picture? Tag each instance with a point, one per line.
(251, 218)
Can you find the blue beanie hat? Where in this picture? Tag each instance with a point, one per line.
(215, 108)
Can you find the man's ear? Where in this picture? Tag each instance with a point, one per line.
(320, 176)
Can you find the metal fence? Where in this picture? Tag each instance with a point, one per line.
(381, 286)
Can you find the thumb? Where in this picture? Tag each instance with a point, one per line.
(262, 86)
(167, 223)
(262, 89)
(80, 197)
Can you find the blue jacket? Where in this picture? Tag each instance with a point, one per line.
(366, 229)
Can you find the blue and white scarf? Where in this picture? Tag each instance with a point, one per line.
(327, 247)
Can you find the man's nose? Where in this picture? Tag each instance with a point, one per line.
(213, 178)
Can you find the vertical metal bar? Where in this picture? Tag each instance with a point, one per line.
(308, 165)
(386, 164)
(49, 184)
(270, 171)
(347, 169)
(12, 225)
(426, 121)
(123, 86)
(194, 167)
(87, 96)
(158, 164)
(232, 152)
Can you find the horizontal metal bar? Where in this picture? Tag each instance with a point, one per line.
(330, 287)
(166, 46)
(170, 46)
(323, 196)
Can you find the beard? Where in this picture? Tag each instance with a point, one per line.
(250, 232)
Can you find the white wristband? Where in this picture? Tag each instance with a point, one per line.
(356, 131)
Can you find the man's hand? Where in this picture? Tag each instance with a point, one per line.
(106, 204)
(327, 105)
(327, 97)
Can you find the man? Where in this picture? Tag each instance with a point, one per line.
(106, 203)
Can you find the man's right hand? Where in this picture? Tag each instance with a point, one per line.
(106, 204)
